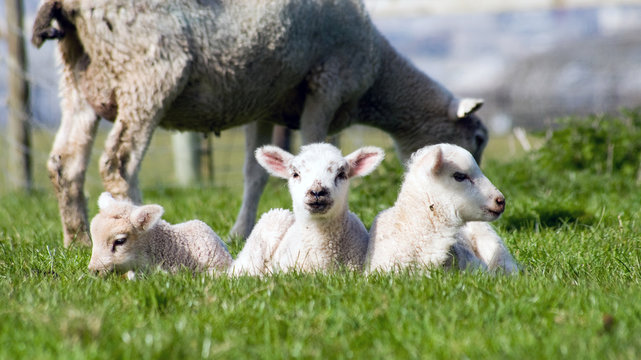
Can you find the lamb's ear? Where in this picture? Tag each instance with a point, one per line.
(105, 200)
(146, 216)
(436, 159)
(364, 160)
(275, 160)
(460, 108)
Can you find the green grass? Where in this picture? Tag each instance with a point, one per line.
(576, 233)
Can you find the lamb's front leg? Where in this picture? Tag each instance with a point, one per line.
(68, 162)
(489, 247)
(255, 177)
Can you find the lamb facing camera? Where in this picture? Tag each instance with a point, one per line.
(321, 233)
(129, 237)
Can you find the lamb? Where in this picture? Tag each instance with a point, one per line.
(128, 237)
(314, 65)
(321, 233)
(443, 198)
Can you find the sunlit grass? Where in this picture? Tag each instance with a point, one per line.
(576, 235)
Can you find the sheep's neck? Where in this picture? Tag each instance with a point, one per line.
(400, 94)
(428, 215)
(331, 229)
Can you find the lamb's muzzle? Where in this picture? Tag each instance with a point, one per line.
(318, 200)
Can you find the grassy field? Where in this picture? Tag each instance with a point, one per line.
(574, 228)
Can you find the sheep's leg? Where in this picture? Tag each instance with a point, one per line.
(125, 148)
(68, 162)
(256, 134)
(148, 89)
(315, 119)
(489, 247)
(329, 86)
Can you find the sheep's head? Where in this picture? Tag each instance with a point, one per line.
(319, 176)
(461, 127)
(454, 183)
(116, 231)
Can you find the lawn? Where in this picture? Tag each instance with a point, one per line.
(572, 222)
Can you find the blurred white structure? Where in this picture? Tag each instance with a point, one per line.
(424, 7)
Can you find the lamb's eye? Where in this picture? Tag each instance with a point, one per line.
(460, 177)
(295, 175)
(341, 175)
(119, 241)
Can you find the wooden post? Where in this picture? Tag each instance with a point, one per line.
(19, 112)
(186, 148)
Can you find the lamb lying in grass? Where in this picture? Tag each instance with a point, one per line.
(443, 192)
(128, 237)
(321, 233)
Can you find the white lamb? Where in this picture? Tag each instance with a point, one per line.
(443, 197)
(127, 237)
(321, 233)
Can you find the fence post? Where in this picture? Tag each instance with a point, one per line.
(19, 112)
(186, 148)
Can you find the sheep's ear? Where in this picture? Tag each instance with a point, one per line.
(364, 160)
(145, 217)
(105, 200)
(436, 160)
(460, 108)
(275, 160)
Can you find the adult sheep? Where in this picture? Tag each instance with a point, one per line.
(208, 65)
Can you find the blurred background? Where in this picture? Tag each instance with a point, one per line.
(531, 60)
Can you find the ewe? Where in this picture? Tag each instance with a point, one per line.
(209, 65)
(321, 233)
(443, 190)
(127, 237)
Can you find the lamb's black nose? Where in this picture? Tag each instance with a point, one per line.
(318, 193)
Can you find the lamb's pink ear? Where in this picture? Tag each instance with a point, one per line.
(436, 159)
(275, 160)
(146, 216)
(105, 200)
(364, 160)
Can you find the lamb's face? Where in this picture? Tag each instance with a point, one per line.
(319, 181)
(457, 184)
(318, 177)
(116, 231)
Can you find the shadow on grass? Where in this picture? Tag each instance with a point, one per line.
(547, 216)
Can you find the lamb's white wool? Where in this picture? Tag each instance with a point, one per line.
(267, 235)
(321, 233)
(483, 241)
(443, 190)
(208, 65)
(128, 237)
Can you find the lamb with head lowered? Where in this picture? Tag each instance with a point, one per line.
(128, 237)
(321, 233)
(433, 220)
